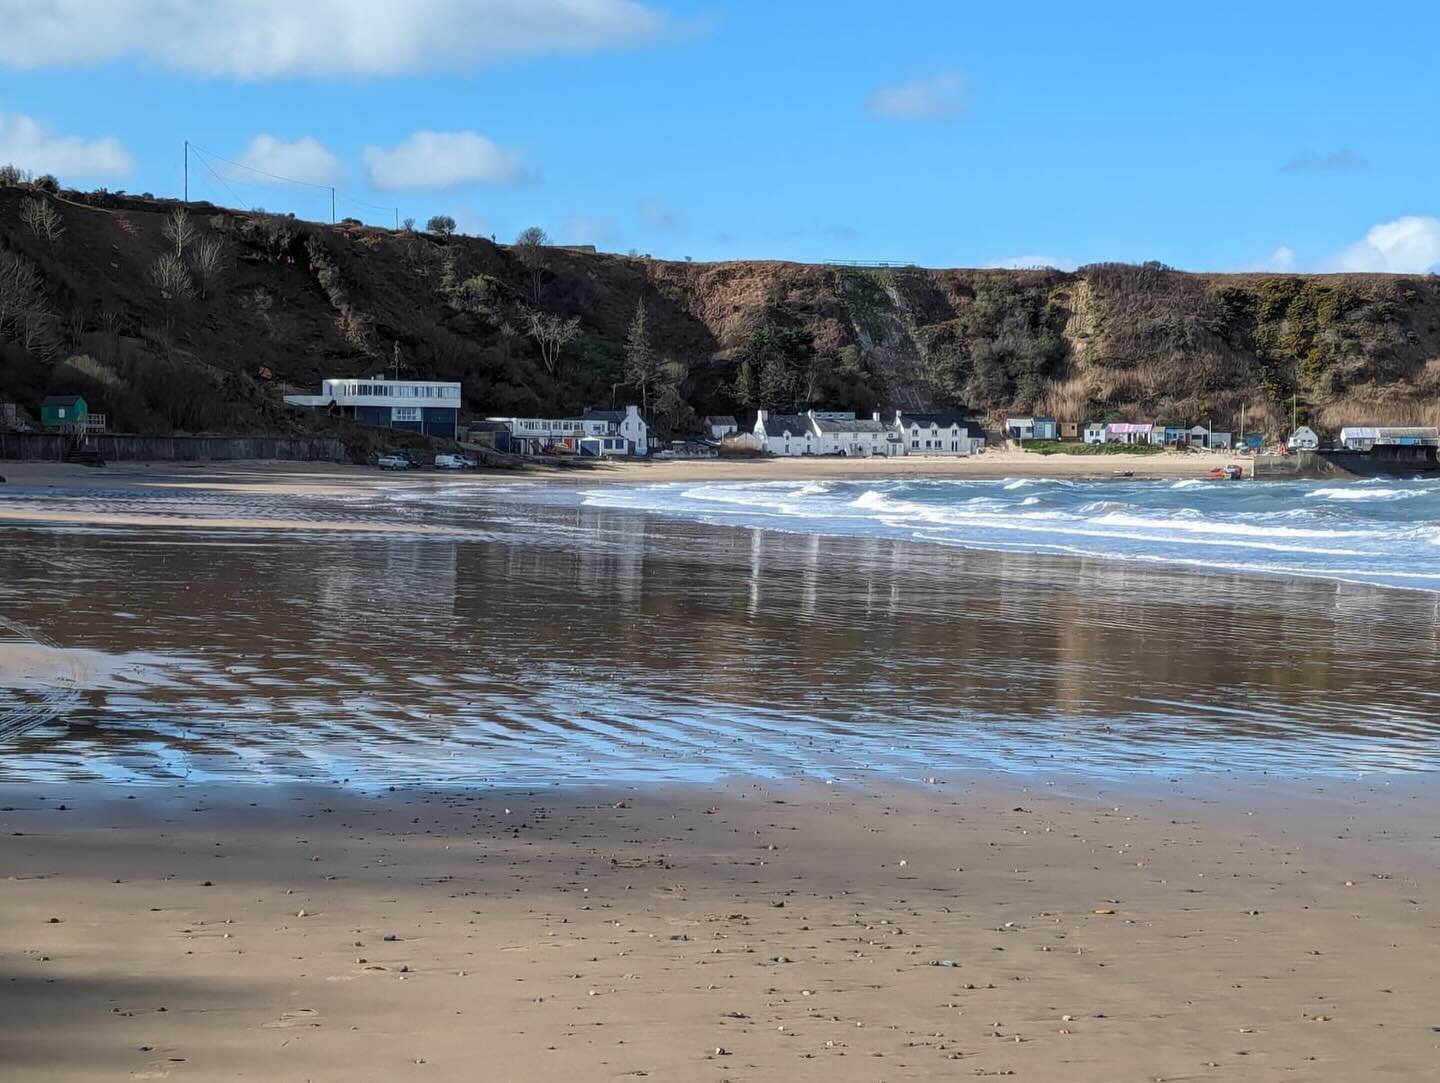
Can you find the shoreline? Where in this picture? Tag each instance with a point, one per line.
(333, 478)
(986, 925)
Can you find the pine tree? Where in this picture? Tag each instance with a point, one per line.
(744, 393)
(777, 384)
(641, 367)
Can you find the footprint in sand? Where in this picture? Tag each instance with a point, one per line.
(300, 1017)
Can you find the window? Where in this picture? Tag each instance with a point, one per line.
(405, 413)
(915, 443)
(954, 445)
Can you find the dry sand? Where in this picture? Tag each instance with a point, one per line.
(333, 479)
(964, 929)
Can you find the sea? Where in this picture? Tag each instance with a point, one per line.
(428, 630)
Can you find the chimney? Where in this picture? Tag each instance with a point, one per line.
(632, 410)
(760, 416)
(875, 416)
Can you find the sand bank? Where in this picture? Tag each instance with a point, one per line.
(332, 479)
(802, 933)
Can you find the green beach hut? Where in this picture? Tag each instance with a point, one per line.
(63, 411)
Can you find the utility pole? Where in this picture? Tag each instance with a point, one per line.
(396, 362)
(187, 171)
(332, 206)
(397, 219)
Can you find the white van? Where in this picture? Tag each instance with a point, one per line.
(454, 462)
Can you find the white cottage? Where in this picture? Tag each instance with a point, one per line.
(628, 424)
(937, 434)
(845, 434)
(1303, 439)
(721, 426)
(785, 434)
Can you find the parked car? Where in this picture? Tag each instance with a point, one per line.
(393, 462)
(454, 462)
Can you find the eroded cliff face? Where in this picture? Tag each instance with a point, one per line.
(100, 309)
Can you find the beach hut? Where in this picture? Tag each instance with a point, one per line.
(64, 412)
(1303, 439)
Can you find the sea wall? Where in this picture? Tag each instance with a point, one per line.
(1380, 462)
(47, 447)
(1294, 467)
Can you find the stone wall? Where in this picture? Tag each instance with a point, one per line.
(48, 447)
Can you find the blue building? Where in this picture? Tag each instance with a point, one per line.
(424, 406)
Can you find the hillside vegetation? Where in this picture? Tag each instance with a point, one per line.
(200, 322)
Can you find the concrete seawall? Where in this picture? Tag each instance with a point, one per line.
(1387, 462)
(1300, 466)
(47, 447)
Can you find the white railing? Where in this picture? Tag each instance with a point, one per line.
(94, 423)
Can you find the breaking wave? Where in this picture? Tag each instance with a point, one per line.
(1361, 532)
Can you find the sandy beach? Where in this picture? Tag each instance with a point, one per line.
(332, 479)
(975, 927)
(477, 781)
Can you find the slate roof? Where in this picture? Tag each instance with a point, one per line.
(62, 400)
(614, 417)
(777, 424)
(721, 419)
(942, 421)
(860, 425)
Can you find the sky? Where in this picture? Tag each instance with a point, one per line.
(1219, 136)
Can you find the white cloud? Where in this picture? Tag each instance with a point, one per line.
(28, 144)
(1409, 245)
(305, 160)
(434, 161)
(1025, 263)
(935, 97)
(260, 39)
(1282, 261)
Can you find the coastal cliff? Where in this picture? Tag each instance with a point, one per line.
(204, 326)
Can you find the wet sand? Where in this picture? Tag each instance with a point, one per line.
(1210, 854)
(974, 927)
(328, 479)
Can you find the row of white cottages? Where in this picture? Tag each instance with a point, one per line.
(819, 432)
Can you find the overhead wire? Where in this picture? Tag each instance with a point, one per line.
(208, 157)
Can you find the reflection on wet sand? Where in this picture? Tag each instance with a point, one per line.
(566, 642)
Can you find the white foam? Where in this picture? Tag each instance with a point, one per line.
(1364, 494)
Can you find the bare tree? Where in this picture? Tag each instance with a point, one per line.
(22, 294)
(552, 334)
(530, 248)
(75, 324)
(173, 277)
(43, 219)
(110, 328)
(19, 288)
(179, 230)
(208, 263)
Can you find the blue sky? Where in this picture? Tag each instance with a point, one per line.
(1225, 136)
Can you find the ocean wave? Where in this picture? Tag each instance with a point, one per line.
(1364, 494)
(1382, 535)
